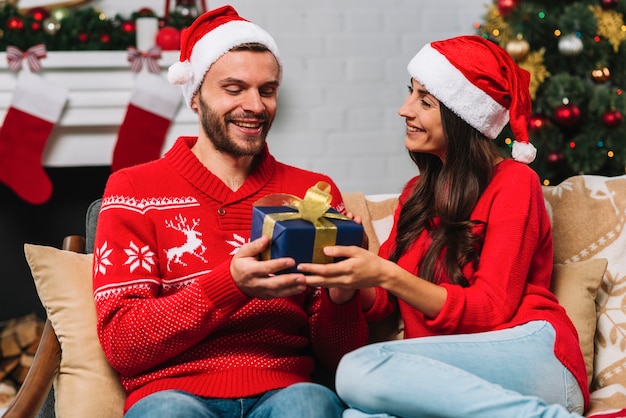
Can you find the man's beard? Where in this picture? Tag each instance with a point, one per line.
(216, 129)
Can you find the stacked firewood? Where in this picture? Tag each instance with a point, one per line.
(19, 339)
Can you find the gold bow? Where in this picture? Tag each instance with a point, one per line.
(313, 208)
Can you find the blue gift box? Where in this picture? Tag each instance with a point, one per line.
(301, 239)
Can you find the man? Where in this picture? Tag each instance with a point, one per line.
(193, 322)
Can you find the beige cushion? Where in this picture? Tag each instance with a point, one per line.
(576, 286)
(377, 213)
(588, 219)
(86, 385)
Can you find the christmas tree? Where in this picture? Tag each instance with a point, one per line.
(576, 55)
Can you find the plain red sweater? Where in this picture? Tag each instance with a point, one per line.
(169, 313)
(511, 285)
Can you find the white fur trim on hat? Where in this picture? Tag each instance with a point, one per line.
(211, 47)
(524, 152)
(180, 73)
(444, 81)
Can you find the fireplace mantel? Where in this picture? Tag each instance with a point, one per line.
(99, 83)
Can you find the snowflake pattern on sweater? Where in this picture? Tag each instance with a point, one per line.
(169, 313)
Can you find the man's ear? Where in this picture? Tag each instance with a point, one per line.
(194, 102)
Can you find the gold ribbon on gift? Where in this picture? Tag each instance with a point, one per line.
(313, 209)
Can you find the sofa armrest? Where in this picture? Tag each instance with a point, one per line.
(45, 365)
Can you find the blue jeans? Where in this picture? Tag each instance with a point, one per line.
(508, 373)
(302, 400)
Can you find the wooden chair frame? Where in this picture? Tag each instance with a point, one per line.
(38, 382)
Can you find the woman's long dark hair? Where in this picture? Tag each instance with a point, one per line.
(449, 192)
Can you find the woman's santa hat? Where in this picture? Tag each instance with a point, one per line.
(479, 82)
(210, 36)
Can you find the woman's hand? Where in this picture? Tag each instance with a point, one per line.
(361, 269)
(365, 270)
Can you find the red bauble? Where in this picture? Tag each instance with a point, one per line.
(128, 26)
(38, 13)
(505, 6)
(15, 23)
(83, 37)
(168, 38)
(105, 38)
(567, 115)
(537, 122)
(612, 118)
(35, 26)
(555, 157)
(146, 12)
(608, 4)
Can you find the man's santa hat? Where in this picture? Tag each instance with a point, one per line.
(479, 82)
(210, 36)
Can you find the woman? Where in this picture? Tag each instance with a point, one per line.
(469, 259)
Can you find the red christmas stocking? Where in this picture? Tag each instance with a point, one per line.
(153, 104)
(35, 108)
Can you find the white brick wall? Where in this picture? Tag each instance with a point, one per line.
(345, 77)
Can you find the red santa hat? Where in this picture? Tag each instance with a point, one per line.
(479, 82)
(210, 36)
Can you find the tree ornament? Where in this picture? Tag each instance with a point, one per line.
(570, 45)
(35, 26)
(536, 122)
(15, 23)
(518, 48)
(610, 24)
(60, 13)
(506, 6)
(538, 73)
(555, 158)
(128, 26)
(146, 12)
(38, 13)
(187, 9)
(567, 115)
(168, 38)
(51, 26)
(494, 23)
(612, 118)
(601, 75)
(608, 4)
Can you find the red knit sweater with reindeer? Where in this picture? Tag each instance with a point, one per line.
(169, 313)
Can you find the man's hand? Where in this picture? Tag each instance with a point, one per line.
(256, 278)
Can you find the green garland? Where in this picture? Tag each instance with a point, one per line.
(82, 29)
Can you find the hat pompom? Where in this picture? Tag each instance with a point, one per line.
(180, 73)
(523, 152)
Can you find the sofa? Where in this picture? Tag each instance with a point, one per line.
(588, 214)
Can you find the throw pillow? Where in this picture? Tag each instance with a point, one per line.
(377, 213)
(86, 385)
(382, 208)
(576, 286)
(588, 215)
